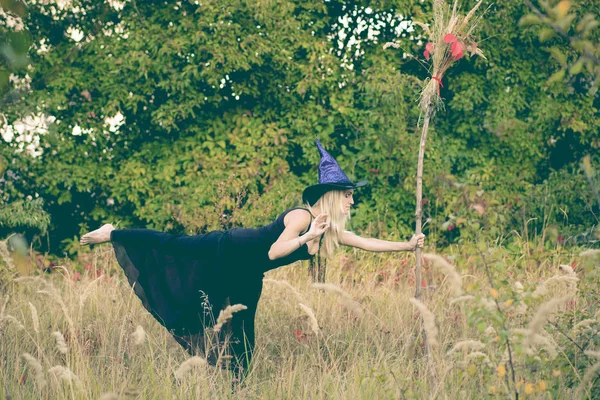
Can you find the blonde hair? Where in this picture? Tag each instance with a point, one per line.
(331, 204)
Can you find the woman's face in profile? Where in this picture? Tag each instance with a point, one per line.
(347, 201)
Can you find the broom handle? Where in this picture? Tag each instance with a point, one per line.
(418, 212)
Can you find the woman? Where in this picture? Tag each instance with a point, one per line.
(184, 281)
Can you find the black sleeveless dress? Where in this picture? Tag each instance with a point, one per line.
(184, 281)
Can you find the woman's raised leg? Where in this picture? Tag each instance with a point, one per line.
(101, 235)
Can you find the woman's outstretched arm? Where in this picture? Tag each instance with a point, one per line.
(378, 245)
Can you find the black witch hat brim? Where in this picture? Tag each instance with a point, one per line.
(313, 193)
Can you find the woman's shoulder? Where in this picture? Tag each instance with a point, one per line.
(296, 212)
(299, 210)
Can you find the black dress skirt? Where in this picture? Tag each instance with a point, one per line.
(184, 281)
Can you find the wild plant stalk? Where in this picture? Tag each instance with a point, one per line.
(559, 330)
(505, 328)
(591, 373)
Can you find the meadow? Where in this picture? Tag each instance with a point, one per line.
(494, 322)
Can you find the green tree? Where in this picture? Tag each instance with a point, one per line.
(18, 210)
(220, 104)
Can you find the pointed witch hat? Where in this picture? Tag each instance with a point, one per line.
(331, 177)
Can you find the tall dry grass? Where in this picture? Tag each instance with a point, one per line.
(62, 337)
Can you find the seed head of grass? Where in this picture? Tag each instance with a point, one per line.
(567, 269)
(539, 341)
(9, 318)
(38, 371)
(543, 289)
(453, 276)
(187, 365)
(109, 396)
(65, 374)
(139, 335)
(590, 253)
(535, 339)
(583, 325)
(466, 344)
(589, 376)
(34, 318)
(4, 303)
(428, 321)
(61, 345)
(543, 313)
(592, 353)
(54, 294)
(226, 314)
(314, 324)
(518, 287)
(478, 355)
(490, 331)
(345, 298)
(488, 304)
(286, 285)
(88, 290)
(461, 299)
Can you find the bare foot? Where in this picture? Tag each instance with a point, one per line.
(98, 236)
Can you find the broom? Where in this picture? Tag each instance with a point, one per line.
(450, 38)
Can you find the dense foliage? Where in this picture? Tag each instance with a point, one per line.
(16, 210)
(221, 101)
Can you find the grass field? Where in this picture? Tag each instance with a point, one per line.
(497, 321)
